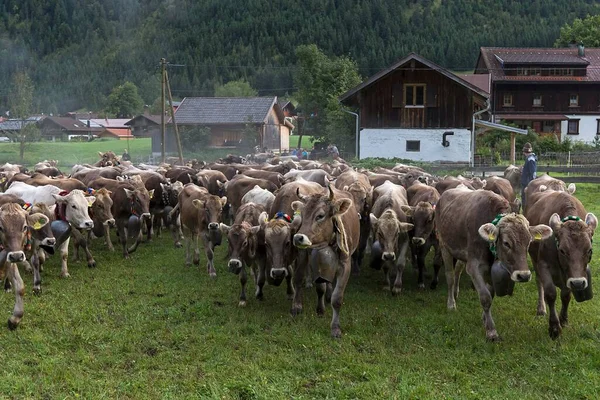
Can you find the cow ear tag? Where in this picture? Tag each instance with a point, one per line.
(492, 237)
(538, 236)
(38, 224)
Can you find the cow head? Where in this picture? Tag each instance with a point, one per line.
(139, 200)
(574, 244)
(278, 243)
(361, 196)
(243, 241)
(320, 220)
(212, 206)
(43, 235)
(14, 225)
(101, 208)
(509, 237)
(76, 206)
(421, 216)
(387, 229)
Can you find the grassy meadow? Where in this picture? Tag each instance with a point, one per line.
(151, 328)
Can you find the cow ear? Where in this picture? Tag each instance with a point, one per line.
(342, 205)
(555, 222)
(408, 210)
(224, 228)
(483, 183)
(220, 184)
(59, 198)
(540, 232)
(489, 232)
(405, 226)
(101, 154)
(129, 193)
(37, 221)
(543, 188)
(591, 221)
(374, 220)
(90, 200)
(345, 189)
(198, 203)
(255, 229)
(297, 205)
(223, 201)
(571, 188)
(151, 193)
(120, 178)
(263, 219)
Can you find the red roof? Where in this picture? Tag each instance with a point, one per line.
(494, 57)
(119, 132)
(482, 81)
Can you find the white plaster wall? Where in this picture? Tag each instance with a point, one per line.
(588, 125)
(390, 143)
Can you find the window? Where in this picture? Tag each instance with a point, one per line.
(574, 100)
(414, 95)
(573, 127)
(598, 127)
(522, 71)
(413, 145)
(537, 100)
(507, 100)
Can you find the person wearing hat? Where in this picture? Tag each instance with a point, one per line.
(529, 170)
(126, 156)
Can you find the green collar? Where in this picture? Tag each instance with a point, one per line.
(495, 223)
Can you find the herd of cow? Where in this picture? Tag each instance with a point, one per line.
(308, 223)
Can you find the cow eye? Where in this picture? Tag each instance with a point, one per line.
(73, 206)
(320, 217)
(24, 228)
(563, 252)
(245, 243)
(506, 244)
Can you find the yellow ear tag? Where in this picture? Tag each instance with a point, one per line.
(38, 225)
(491, 237)
(538, 236)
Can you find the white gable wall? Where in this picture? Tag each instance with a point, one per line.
(391, 143)
(588, 126)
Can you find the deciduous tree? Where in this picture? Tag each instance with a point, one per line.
(124, 101)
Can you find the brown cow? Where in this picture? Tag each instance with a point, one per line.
(107, 159)
(210, 179)
(246, 247)
(451, 182)
(67, 184)
(332, 233)
(87, 175)
(503, 187)
(390, 232)
(562, 260)
(101, 214)
(274, 177)
(200, 213)
(43, 242)
(477, 228)
(545, 182)
(15, 223)
(422, 200)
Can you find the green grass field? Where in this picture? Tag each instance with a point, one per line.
(151, 328)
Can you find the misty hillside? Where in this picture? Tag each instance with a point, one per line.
(77, 50)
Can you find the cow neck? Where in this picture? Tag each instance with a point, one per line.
(132, 204)
(165, 197)
(60, 211)
(495, 222)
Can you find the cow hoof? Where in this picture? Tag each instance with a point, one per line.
(92, 264)
(37, 291)
(554, 332)
(12, 325)
(242, 303)
(213, 275)
(433, 285)
(564, 321)
(421, 286)
(336, 333)
(178, 245)
(451, 307)
(540, 313)
(8, 289)
(493, 337)
(296, 311)
(320, 312)
(386, 288)
(65, 275)
(196, 261)
(396, 291)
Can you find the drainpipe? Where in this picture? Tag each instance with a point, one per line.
(473, 136)
(357, 132)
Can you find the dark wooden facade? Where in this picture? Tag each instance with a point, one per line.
(441, 103)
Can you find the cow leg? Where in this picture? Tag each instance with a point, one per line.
(565, 299)
(75, 256)
(437, 265)
(196, 243)
(337, 297)
(321, 288)
(63, 250)
(210, 253)
(459, 267)
(449, 268)
(541, 303)
(289, 284)
(243, 281)
(106, 228)
(19, 288)
(188, 249)
(176, 231)
(474, 269)
(399, 265)
(157, 224)
(37, 277)
(149, 227)
(299, 272)
(260, 277)
(554, 327)
(421, 252)
(122, 233)
(80, 240)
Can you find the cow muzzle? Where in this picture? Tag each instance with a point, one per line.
(521, 276)
(577, 284)
(278, 273)
(48, 242)
(89, 224)
(145, 216)
(419, 241)
(235, 266)
(213, 226)
(302, 241)
(15, 256)
(388, 256)
(110, 222)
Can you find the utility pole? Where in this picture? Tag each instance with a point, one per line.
(163, 67)
(179, 149)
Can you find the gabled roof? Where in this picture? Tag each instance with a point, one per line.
(482, 81)
(422, 60)
(152, 118)
(108, 122)
(226, 110)
(495, 57)
(70, 124)
(119, 132)
(16, 124)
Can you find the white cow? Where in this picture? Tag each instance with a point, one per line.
(34, 194)
(260, 196)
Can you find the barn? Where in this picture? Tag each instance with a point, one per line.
(416, 110)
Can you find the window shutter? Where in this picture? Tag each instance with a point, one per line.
(431, 96)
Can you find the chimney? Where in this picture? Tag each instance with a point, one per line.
(581, 50)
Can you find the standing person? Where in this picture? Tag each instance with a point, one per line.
(304, 154)
(126, 156)
(529, 170)
(333, 150)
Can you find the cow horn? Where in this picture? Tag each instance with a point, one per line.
(330, 193)
(300, 195)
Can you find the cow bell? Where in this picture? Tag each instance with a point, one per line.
(324, 264)
(376, 254)
(98, 230)
(166, 215)
(134, 226)
(585, 294)
(61, 230)
(501, 280)
(215, 236)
